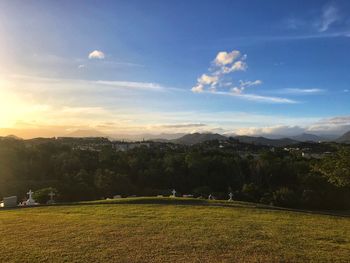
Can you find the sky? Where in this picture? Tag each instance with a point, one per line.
(149, 67)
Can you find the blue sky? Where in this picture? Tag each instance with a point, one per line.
(126, 67)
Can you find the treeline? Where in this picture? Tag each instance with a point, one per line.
(276, 178)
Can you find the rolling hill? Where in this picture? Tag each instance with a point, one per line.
(171, 230)
(194, 138)
(345, 138)
(265, 141)
(307, 137)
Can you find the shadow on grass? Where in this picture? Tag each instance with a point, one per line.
(194, 202)
(215, 203)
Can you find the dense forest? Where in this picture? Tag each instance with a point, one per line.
(273, 177)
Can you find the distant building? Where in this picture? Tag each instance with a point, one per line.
(9, 201)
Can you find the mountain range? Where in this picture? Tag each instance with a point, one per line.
(194, 138)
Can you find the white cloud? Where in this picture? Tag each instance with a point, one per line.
(335, 125)
(208, 80)
(96, 54)
(237, 90)
(330, 15)
(224, 58)
(198, 88)
(250, 83)
(223, 64)
(239, 66)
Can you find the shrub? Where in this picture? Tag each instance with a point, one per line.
(285, 197)
(42, 195)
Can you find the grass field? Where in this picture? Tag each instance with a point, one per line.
(163, 230)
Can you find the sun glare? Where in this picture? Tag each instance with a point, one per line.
(11, 108)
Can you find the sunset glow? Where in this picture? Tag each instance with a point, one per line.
(63, 79)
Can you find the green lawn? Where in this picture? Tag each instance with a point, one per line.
(159, 230)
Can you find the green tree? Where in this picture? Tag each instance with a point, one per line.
(336, 168)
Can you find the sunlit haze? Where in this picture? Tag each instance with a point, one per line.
(143, 68)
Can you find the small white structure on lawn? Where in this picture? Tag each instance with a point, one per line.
(51, 201)
(30, 200)
(230, 195)
(174, 193)
(117, 197)
(10, 201)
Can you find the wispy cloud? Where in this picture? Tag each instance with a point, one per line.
(330, 15)
(302, 91)
(132, 85)
(327, 24)
(245, 84)
(257, 98)
(112, 83)
(183, 125)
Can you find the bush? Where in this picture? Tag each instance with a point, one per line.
(266, 199)
(285, 197)
(42, 195)
(203, 191)
(312, 199)
(251, 192)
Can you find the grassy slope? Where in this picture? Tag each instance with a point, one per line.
(156, 231)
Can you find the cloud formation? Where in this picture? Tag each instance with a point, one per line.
(329, 126)
(338, 125)
(96, 54)
(224, 64)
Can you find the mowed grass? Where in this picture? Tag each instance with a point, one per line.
(147, 230)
